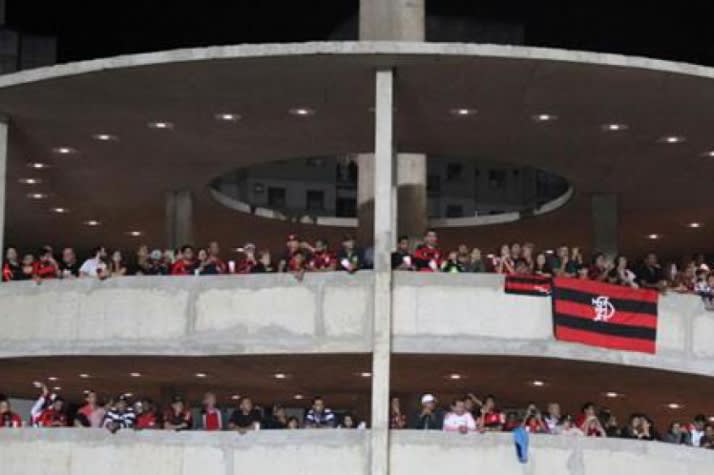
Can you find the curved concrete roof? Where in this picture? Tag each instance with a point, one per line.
(121, 183)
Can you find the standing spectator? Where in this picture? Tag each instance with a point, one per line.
(515, 252)
(588, 422)
(298, 265)
(245, 418)
(156, 265)
(633, 428)
(541, 266)
(178, 416)
(214, 257)
(402, 258)
(427, 256)
(429, 416)
(504, 264)
(247, 261)
(278, 418)
(534, 422)
(527, 255)
(476, 263)
(293, 423)
(600, 268)
(28, 267)
(397, 419)
(621, 274)
(560, 263)
(46, 267)
(8, 419)
(349, 257)
(117, 268)
(491, 418)
(451, 264)
(146, 415)
(11, 268)
(463, 256)
(95, 266)
(650, 275)
(696, 430)
(69, 265)
(48, 410)
(707, 441)
(459, 419)
(91, 414)
(321, 259)
(186, 264)
(676, 435)
(211, 416)
(292, 246)
(553, 417)
(119, 416)
(350, 422)
(319, 417)
(142, 260)
(264, 264)
(567, 427)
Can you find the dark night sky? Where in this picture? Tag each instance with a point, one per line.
(90, 29)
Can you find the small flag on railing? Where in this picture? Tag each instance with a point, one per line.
(528, 285)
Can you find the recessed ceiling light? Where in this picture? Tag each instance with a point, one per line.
(235, 397)
(84, 376)
(52, 378)
(653, 236)
(64, 150)
(366, 374)
(454, 376)
(30, 181)
(614, 127)
(92, 222)
(38, 165)
(694, 225)
(711, 418)
(37, 196)
(129, 395)
(537, 383)
(462, 111)
(612, 394)
(134, 233)
(672, 139)
(298, 396)
(228, 117)
(544, 117)
(280, 376)
(105, 137)
(161, 125)
(549, 251)
(302, 111)
(674, 405)
(57, 388)
(709, 154)
(135, 375)
(60, 210)
(201, 375)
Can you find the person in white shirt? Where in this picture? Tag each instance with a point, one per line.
(95, 266)
(552, 419)
(459, 419)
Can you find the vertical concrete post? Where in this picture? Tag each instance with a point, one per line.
(411, 185)
(179, 218)
(383, 241)
(3, 178)
(605, 223)
(365, 199)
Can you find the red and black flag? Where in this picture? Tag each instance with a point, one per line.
(528, 285)
(605, 315)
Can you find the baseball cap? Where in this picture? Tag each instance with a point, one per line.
(427, 398)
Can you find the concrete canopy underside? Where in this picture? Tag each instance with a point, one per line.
(122, 183)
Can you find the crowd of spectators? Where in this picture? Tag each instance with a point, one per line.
(467, 414)
(300, 256)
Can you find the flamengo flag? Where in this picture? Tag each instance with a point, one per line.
(605, 315)
(528, 285)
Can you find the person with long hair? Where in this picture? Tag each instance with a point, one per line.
(117, 268)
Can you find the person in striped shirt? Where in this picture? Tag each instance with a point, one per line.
(119, 416)
(319, 417)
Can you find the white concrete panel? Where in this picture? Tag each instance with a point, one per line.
(344, 310)
(703, 335)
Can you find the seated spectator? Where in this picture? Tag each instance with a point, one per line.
(676, 435)
(11, 269)
(246, 417)
(685, 281)
(319, 416)
(541, 266)
(476, 262)
(178, 416)
(459, 419)
(321, 258)
(247, 261)
(600, 268)
(214, 257)
(95, 266)
(278, 418)
(522, 268)
(565, 263)
(588, 422)
(515, 252)
(264, 264)
(505, 264)
(119, 416)
(186, 264)
(429, 417)
(349, 422)
(69, 267)
(452, 264)
(293, 423)
(633, 429)
(292, 246)
(491, 418)
(117, 268)
(211, 416)
(46, 267)
(609, 423)
(8, 419)
(147, 416)
(397, 419)
(402, 258)
(427, 256)
(91, 414)
(553, 417)
(350, 257)
(156, 265)
(650, 274)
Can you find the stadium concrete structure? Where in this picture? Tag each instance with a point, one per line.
(128, 146)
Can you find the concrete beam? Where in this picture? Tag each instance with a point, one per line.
(386, 20)
(605, 223)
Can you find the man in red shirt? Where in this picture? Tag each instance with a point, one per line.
(8, 419)
(214, 256)
(186, 265)
(248, 261)
(321, 258)
(177, 417)
(292, 247)
(46, 267)
(146, 417)
(48, 410)
(491, 418)
(91, 414)
(427, 256)
(211, 417)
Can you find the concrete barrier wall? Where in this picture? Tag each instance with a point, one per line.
(91, 452)
(470, 313)
(188, 315)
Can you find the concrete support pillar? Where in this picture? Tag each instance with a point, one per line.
(3, 178)
(411, 181)
(383, 242)
(605, 223)
(179, 218)
(365, 199)
(391, 20)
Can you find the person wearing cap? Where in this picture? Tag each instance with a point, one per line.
(8, 419)
(427, 256)
(119, 416)
(350, 257)
(292, 247)
(429, 417)
(178, 417)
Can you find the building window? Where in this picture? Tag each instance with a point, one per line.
(433, 183)
(454, 211)
(346, 208)
(315, 200)
(454, 171)
(497, 179)
(276, 197)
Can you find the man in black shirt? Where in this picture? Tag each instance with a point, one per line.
(429, 417)
(402, 258)
(245, 418)
(69, 265)
(650, 274)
